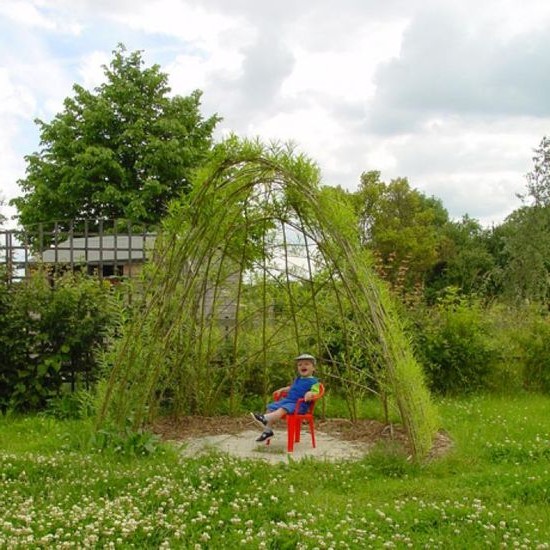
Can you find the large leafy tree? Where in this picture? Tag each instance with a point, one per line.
(538, 180)
(402, 226)
(522, 252)
(122, 150)
(465, 259)
(522, 242)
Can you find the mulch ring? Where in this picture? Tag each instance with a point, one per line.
(362, 431)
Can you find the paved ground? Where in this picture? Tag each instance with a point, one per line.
(337, 439)
(243, 445)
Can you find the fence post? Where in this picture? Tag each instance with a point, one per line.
(115, 239)
(100, 270)
(86, 245)
(71, 245)
(130, 266)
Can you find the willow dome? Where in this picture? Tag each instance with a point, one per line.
(258, 264)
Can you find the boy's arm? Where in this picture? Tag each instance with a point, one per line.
(314, 390)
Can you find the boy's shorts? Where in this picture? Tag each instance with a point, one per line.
(288, 405)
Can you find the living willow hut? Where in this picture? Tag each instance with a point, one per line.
(259, 233)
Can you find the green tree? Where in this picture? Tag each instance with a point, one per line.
(465, 259)
(522, 247)
(522, 243)
(402, 226)
(538, 180)
(121, 151)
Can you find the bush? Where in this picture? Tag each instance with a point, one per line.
(454, 343)
(507, 324)
(535, 347)
(49, 337)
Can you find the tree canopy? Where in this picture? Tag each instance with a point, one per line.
(538, 180)
(122, 150)
(401, 225)
(522, 242)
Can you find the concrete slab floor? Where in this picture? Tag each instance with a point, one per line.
(243, 445)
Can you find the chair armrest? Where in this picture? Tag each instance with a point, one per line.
(279, 394)
(311, 404)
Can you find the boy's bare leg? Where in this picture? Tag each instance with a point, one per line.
(272, 417)
(268, 419)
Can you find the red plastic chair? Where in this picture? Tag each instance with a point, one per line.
(294, 420)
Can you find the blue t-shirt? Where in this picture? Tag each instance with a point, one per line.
(300, 387)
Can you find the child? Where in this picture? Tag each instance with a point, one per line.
(304, 386)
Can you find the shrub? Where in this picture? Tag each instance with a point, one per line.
(507, 325)
(49, 336)
(535, 346)
(454, 343)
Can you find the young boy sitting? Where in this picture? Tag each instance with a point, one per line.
(304, 386)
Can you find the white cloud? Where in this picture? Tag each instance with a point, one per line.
(452, 95)
(192, 24)
(346, 72)
(454, 64)
(25, 13)
(16, 102)
(91, 71)
(474, 166)
(38, 14)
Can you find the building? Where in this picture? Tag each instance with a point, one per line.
(116, 255)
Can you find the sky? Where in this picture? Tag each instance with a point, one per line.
(453, 95)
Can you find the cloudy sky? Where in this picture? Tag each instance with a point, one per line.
(454, 95)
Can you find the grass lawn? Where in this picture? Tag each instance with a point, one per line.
(492, 490)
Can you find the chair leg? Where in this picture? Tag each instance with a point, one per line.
(312, 431)
(297, 430)
(290, 434)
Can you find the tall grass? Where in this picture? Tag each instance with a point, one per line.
(491, 490)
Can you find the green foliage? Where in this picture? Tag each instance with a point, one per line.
(490, 489)
(218, 307)
(129, 442)
(402, 226)
(522, 250)
(49, 337)
(506, 325)
(75, 405)
(538, 180)
(465, 260)
(455, 346)
(535, 348)
(122, 151)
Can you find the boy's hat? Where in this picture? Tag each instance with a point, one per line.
(306, 357)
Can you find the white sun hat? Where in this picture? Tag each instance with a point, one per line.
(306, 357)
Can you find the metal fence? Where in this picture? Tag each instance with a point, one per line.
(106, 248)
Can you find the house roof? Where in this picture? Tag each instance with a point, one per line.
(100, 249)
